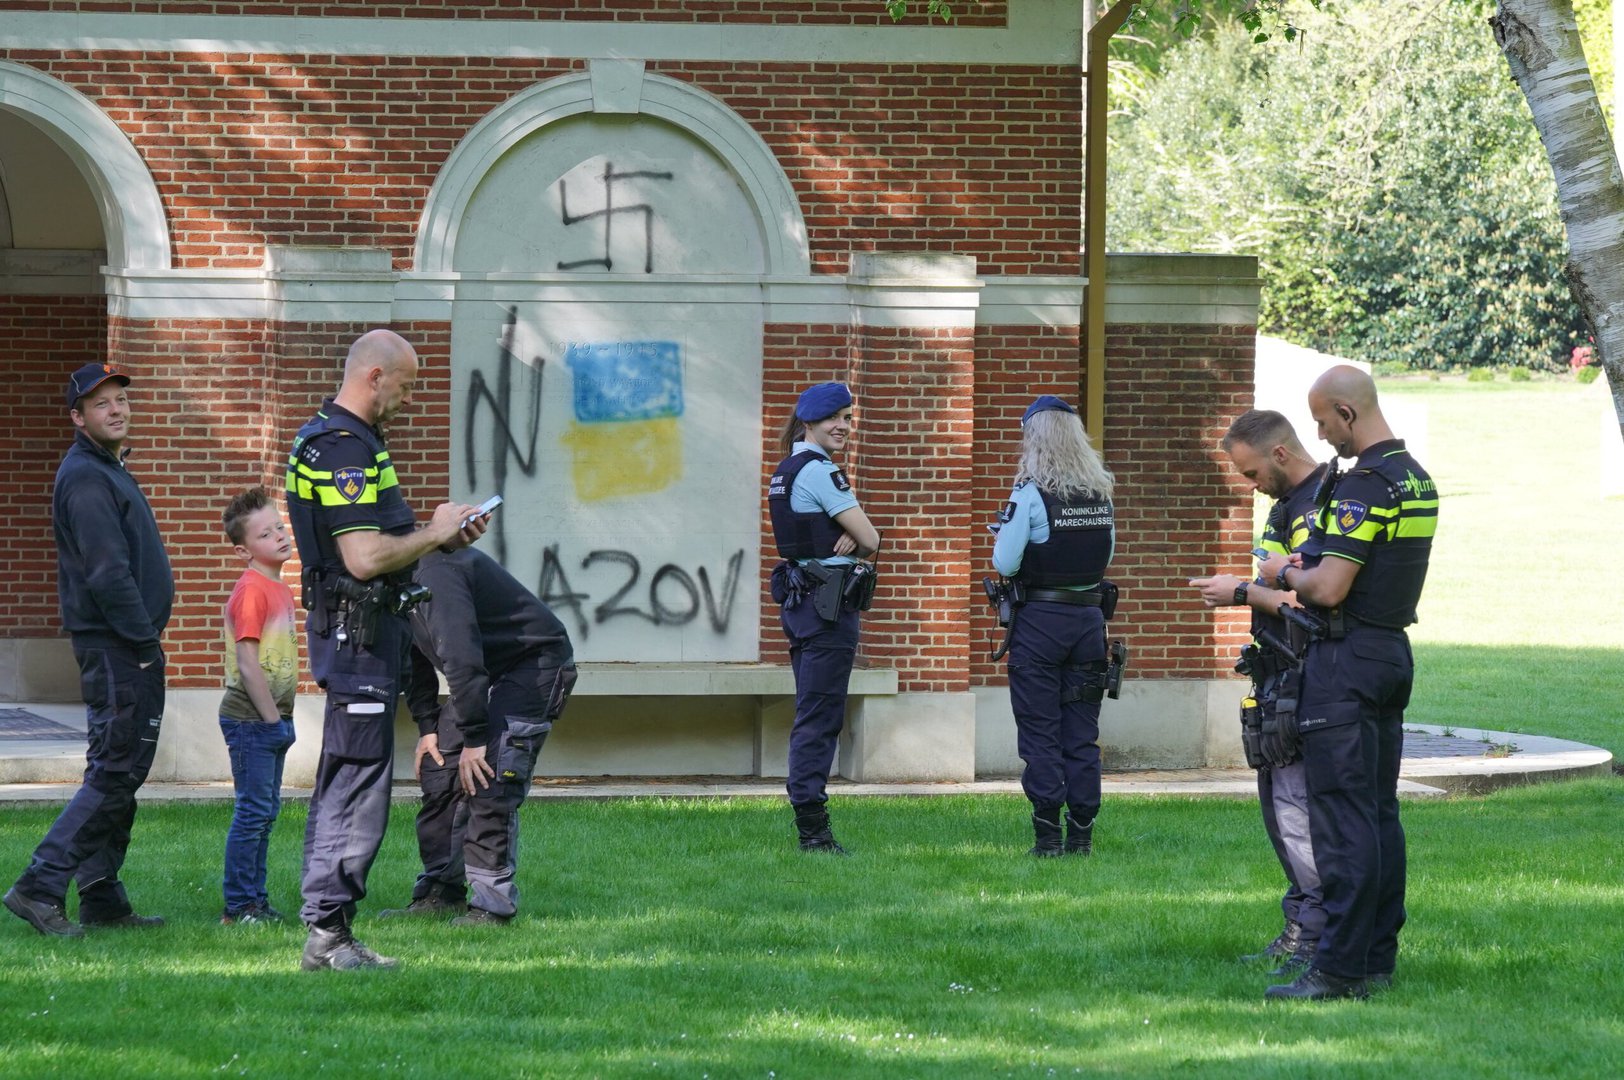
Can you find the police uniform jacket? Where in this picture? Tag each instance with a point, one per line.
(1290, 521)
(340, 479)
(113, 576)
(1382, 515)
(1050, 543)
(480, 625)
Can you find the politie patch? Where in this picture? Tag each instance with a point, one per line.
(1350, 514)
(841, 483)
(350, 483)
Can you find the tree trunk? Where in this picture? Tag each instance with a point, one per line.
(1541, 43)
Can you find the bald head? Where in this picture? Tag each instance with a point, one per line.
(1343, 402)
(378, 376)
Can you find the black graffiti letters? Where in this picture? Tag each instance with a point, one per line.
(674, 597)
(608, 215)
(504, 439)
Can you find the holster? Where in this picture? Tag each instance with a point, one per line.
(1281, 741)
(828, 589)
(1252, 732)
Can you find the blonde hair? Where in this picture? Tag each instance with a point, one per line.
(1057, 456)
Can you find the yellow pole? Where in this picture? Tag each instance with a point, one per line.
(1099, 40)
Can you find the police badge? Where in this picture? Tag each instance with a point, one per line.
(350, 483)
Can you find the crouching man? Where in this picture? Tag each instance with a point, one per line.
(510, 667)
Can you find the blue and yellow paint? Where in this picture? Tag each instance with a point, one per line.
(625, 439)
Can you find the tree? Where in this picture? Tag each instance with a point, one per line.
(1541, 41)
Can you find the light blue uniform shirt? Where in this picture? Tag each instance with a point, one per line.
(815, 490)
(1028, 524)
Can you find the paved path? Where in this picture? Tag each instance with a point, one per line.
(1435, 763)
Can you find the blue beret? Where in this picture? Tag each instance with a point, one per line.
(822, 401)
(1044, 404)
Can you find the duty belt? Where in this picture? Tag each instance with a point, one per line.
(1091, 598)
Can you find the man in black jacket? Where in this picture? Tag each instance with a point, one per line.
(116, 589)
(510, 667)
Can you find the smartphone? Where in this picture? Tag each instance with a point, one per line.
(484, 510)
(1261, 554)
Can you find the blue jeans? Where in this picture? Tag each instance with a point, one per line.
(258, 750)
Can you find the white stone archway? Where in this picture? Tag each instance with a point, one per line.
(620, 87)
(131, 210)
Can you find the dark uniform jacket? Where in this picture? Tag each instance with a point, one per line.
(113, 576)
(480, 625)
(1382, 516)
(1290, 521)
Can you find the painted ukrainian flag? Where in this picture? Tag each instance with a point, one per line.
(625, 439)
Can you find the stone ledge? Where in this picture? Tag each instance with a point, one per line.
(714, 680)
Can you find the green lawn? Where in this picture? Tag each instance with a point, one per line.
(679, 938)
(689, 938)
(1523, 616)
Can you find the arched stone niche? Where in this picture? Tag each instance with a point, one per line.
(608, 237)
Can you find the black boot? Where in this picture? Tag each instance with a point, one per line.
(1316, 985)
(1079, 837)
(1046, 828)
(812, 822)
(1285, 945)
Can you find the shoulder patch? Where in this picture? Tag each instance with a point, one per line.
(350, 483)
(840, 481)
(1350, 514)
(1006, 513)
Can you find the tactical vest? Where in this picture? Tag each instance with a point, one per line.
(317, 547)
(1078, 550)
(800, 535)
(1296, 507)
(1387, 588)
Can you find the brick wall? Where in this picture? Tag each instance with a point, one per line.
(249, 150)
(972, 13)
(42, 339)
(1182, 512)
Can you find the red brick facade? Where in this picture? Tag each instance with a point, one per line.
(979, 160)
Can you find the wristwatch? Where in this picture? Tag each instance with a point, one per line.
(1280, 579)
(1240, 593)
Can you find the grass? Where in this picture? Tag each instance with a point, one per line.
(687, 938)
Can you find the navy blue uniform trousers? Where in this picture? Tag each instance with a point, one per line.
(349, 806)
(821, 655)
(477, 836)
(1059, 741)
(124, 707)
(1352, 716)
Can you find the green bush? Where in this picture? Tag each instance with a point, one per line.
(1401, 211)
(1480, 374)
(1519, 374)
(1587, 375)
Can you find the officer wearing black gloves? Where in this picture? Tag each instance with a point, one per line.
(1360, 573)
(819, 529)
(1265, 450)
(1055, 539)
(510, 668)
(358, 542)
(116, 589)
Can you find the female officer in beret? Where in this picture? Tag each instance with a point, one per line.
(1055, 538)
(819, 528)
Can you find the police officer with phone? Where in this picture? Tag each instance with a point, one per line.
(1266, 451)
(358, 541)
(1360, 574)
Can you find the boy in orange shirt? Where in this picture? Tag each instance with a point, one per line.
(256, 714)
